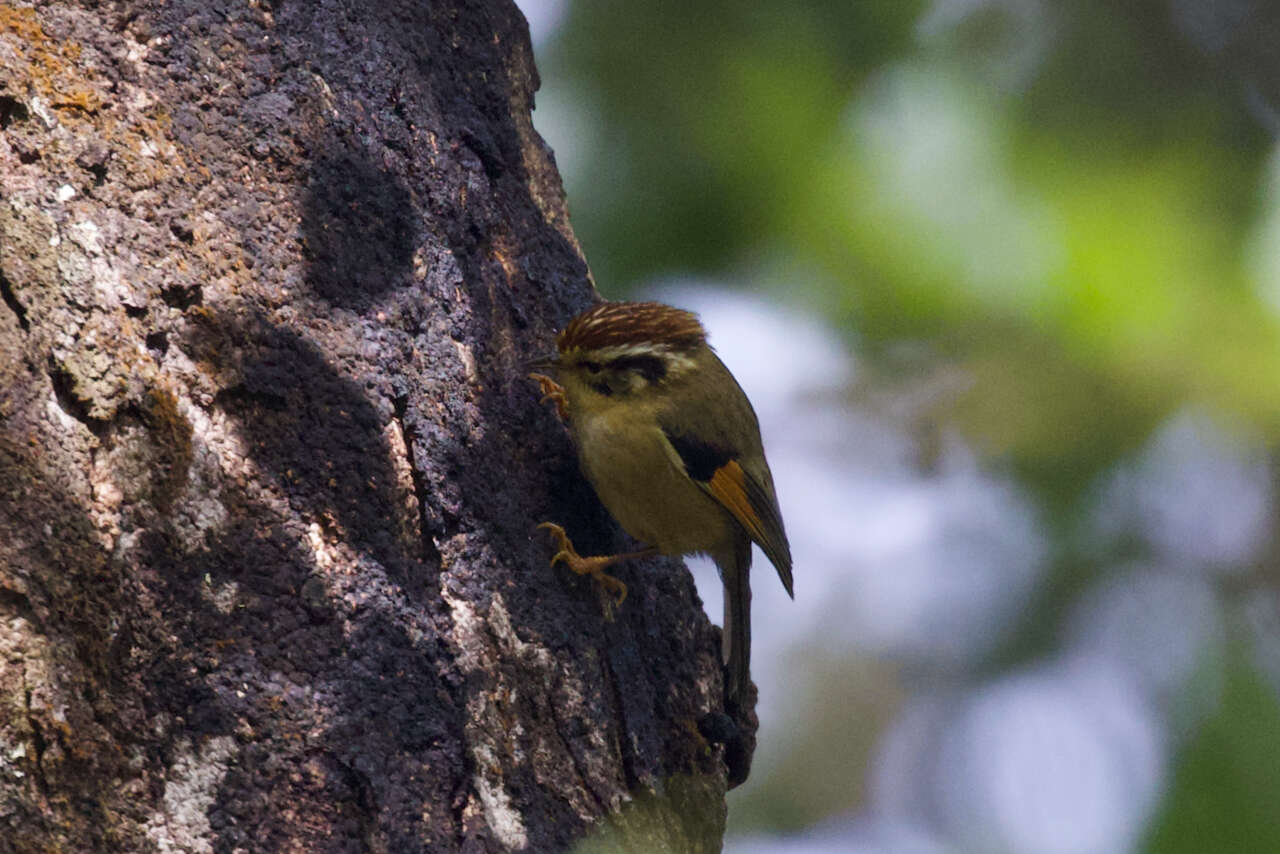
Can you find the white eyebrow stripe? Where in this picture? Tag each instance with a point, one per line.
(623, 351)
(675, 362)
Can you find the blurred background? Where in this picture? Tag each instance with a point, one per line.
(1002, 278)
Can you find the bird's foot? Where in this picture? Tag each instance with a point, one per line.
(593, 566)
(554, 392)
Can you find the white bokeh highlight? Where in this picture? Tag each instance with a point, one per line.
(1199, 495)
(544, 17)
(1062, 760)
(1165, 629)
(888, 560)
(931, 568)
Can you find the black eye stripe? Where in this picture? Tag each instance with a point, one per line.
(593, 367)
(652, 368)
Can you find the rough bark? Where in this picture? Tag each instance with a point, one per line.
(270, 466)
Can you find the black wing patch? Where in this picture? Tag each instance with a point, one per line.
(716, 471)
(701, 459)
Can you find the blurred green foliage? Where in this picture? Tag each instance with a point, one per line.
(730, 133)
(715, 113)
(800, 792)
(1067, 200)
(1225, 796)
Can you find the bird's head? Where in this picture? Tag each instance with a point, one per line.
(619, 351)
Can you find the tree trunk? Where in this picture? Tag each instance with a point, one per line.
(270, 466)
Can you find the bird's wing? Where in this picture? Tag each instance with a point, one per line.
(719, 471)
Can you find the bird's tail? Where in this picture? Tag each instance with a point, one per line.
(736, 637)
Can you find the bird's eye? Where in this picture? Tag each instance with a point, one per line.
(593, 367)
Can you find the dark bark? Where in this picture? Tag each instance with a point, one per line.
(270, 466)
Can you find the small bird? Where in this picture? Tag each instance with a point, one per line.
(672, 446)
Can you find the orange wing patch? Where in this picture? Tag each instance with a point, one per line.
(756, 512)
(728, 485)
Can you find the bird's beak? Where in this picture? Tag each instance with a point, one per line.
(543, 363)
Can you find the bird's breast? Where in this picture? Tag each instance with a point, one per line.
(646, 490)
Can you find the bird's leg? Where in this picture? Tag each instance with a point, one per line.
(593, 566)
(554, 392)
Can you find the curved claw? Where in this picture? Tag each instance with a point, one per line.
(614, 585)
(554, 392)
(593, 566)
(558, 533)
